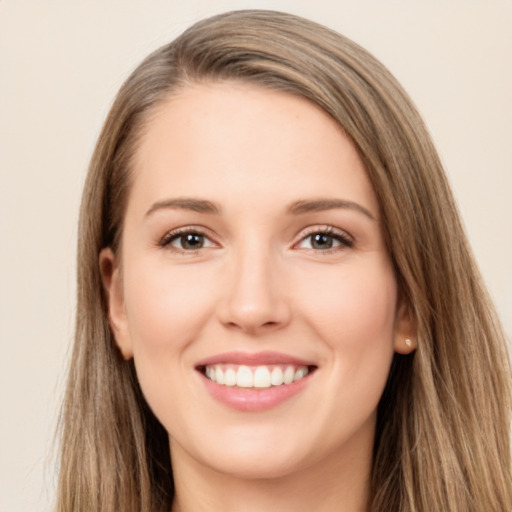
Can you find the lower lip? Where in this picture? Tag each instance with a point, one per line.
(254, 400)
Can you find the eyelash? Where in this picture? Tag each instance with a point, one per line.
(345, 241)
(175, 234)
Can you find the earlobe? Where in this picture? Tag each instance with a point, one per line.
(405, 331)
(112, 285)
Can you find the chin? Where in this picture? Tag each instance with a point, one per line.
(263, 466)
(247, 453)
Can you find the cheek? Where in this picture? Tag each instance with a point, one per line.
(166, 313)
(353, 312)
(354, 300)
(165, 307)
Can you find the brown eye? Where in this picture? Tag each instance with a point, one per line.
(189, 241)
(326, 240)
(186, 240)
(321, 241)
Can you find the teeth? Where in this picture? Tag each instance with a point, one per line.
(289, 375)
(219, 375)
(210, 373)
(262, 377)
(259, 377)
(300, 373)
(230, 377)
(276, 377)
(244, 378)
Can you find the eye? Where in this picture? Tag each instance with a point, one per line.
(325, 240)
(187, 240)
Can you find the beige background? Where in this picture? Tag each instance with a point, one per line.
(61, 63)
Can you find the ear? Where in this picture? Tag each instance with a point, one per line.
(112, 284)
(406, 340)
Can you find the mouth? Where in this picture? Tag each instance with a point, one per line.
(255, 377)
(254, 382)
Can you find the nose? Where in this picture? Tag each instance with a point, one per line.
(255, 300)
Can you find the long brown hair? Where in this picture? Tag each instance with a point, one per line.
(442, 440)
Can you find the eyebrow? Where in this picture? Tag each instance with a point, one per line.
(319, 205)
(296, 208)
(195, 205)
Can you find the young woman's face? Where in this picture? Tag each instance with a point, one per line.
(255, 292)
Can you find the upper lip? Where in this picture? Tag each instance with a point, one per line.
(253, 359)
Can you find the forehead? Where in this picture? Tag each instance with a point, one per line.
(209, 138)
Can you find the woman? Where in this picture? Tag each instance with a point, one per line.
(277, 303)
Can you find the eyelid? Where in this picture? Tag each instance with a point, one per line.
(165, 241)
(341, 235)
(345, 239)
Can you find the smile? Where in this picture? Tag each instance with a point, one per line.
(254, 382)
(259, 377)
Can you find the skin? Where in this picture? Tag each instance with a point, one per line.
(257, 283)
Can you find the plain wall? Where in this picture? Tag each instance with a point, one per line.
(61, 63)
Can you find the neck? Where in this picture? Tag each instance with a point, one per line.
(338, 484)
